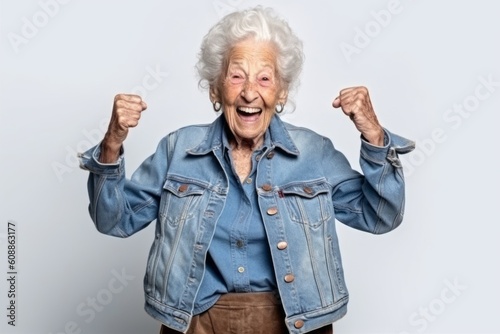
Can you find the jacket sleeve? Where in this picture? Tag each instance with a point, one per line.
(372, 201)
(120, 206)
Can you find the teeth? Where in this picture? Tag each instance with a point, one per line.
(249, 110)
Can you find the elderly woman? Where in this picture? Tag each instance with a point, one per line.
(245, 207)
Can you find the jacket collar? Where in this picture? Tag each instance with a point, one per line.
(277, 133)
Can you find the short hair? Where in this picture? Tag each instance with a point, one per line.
(262, 24)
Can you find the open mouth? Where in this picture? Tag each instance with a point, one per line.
(248, 110)
(249, 113)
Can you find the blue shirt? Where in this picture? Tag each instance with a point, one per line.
(239, 259)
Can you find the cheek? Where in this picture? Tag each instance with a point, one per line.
(270, 93)
(231, 91)
(271, 99)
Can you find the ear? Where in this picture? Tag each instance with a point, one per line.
(214, 94)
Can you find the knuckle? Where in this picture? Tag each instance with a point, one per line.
(128, 97)
(135, 98)
(360, 96)
(121, 104)
(120, 97)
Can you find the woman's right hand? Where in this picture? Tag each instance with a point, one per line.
(127, 109)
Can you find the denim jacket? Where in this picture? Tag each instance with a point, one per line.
(303, 183)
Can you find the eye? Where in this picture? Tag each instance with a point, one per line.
(236, 78)
(265, 80)
(265, 77)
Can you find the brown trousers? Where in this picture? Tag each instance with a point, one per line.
(243, 313)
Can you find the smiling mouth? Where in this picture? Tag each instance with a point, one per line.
(249, 114)
(246, 111)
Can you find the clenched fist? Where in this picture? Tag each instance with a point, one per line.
(126, 113)
(355, 103)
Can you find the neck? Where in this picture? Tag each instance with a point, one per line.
(241, 154)
(243, 144)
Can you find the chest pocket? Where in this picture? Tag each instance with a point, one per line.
(180, 201)
(308, 203)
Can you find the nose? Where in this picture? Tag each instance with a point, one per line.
(249, 92)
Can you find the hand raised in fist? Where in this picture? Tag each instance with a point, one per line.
(355, 103)
(127, 109)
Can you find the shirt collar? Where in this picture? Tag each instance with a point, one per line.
(276, 136)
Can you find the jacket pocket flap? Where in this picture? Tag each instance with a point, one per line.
(306, 189)
(183, 188)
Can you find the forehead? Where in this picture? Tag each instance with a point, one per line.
(252, 51)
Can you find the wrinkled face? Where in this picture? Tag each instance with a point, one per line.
(250, 90)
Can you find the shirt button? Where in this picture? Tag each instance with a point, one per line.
(270, 155)
(249, 180)
(183, 188)
(289, 278)
(241, 269)
(308, 190)
(299, 324)
(258, 157)
(282, 245)
(272, 211)
(267, 187)
(239, 243)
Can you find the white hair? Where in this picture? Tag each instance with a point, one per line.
(262, 24)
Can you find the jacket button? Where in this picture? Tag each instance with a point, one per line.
(183, 188)
(289, 278)
(272, 211)
(282, 245)
(270, 155)
(308, 190)
(299, 324)
(267, 187)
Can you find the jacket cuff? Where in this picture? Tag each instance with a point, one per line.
(393, 146)
(89, 160)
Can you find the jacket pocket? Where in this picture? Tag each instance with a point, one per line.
(308, 203)
(180, 207)
(179, 199)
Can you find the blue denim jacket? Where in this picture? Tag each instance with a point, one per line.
(303, 184)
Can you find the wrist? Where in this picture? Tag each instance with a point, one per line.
(110, 151)
(376, 138)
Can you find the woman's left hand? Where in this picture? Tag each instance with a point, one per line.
(355, 103)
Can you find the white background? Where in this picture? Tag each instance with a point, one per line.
(59, 77)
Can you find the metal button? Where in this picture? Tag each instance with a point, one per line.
(239, 243)
(289, 278)
(249, 180)
(272, 211)
(308, 190)
(258, 157)
(241, 269)
(299, 324)
(270, 155)
(282, 245)
(267, 187)
(183, 188)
